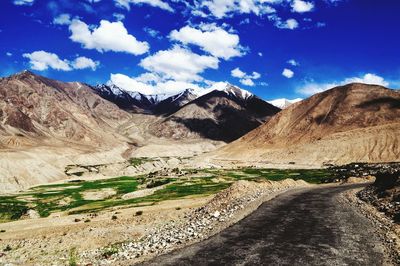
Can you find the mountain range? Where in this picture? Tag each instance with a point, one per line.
(46, 125)
(34, 109)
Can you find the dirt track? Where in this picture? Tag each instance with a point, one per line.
(307, 227)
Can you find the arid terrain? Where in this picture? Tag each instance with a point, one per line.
(138, 177)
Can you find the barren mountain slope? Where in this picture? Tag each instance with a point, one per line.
(356, 122)
(219, 115)
(46, 125)
(34, 109)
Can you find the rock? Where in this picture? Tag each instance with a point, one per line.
(216, 214)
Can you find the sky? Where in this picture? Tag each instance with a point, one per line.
(272, 48)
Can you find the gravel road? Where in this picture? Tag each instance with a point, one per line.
(304, 227)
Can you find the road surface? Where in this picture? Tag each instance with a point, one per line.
(303, 227)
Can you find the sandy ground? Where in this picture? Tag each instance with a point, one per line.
(49, 240)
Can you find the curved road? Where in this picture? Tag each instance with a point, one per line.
(302, 227)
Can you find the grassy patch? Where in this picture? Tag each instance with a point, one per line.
(140, 160)
(70, 196)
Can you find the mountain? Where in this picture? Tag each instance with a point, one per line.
(35, 109)
(223, 115)
(129, 101)
(174, 103)
(284, 103)
(352, 123)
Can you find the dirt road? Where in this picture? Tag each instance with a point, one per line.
(305, 227)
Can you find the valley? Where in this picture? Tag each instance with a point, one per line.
(142, 175)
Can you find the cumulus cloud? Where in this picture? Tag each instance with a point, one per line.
(369, 78)
(169, 87)
(108, 36)
(179, 63)
(224, 8)
(237, 73)
(42, 60)
(166, 87)
(9, 54)
(62, 19)
(245, 79)
(290, 24)
(247, 82)
(24, 2)
(210, 38)
(84, 62)
(288, 73)
(300, 6)
(155, 3)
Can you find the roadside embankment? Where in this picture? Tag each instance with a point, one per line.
(224, 209)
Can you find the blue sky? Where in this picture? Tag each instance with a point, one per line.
(273, 48)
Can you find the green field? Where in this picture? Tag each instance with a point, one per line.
(69, 197)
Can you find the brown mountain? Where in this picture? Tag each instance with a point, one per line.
(219, 115)
(34, 109)
(351, 123)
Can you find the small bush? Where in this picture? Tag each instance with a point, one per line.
(114, 217)
(7, 248)
(87, 220)
(138, 213)
(109, 251)
(2, 231)
(177, 208)
(72, 259)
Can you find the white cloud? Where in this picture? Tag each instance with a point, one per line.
(42, 60)
(179, 64)
(62, 19)
(154, 3)
(223, 8)
(153, 33)
(288, 73)
(9, 54)
(23, 2)
(290, 24)
(210, 38)
(300, 6)
(119, 16)
(260, 54)
(369, 78)
(169, 87)
(84, 62)
(293, 62)
(247, 82)
(245, 78)
(237, 73)
(109, 36)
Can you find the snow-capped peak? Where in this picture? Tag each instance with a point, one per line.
(283, 102)
(238, 92)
